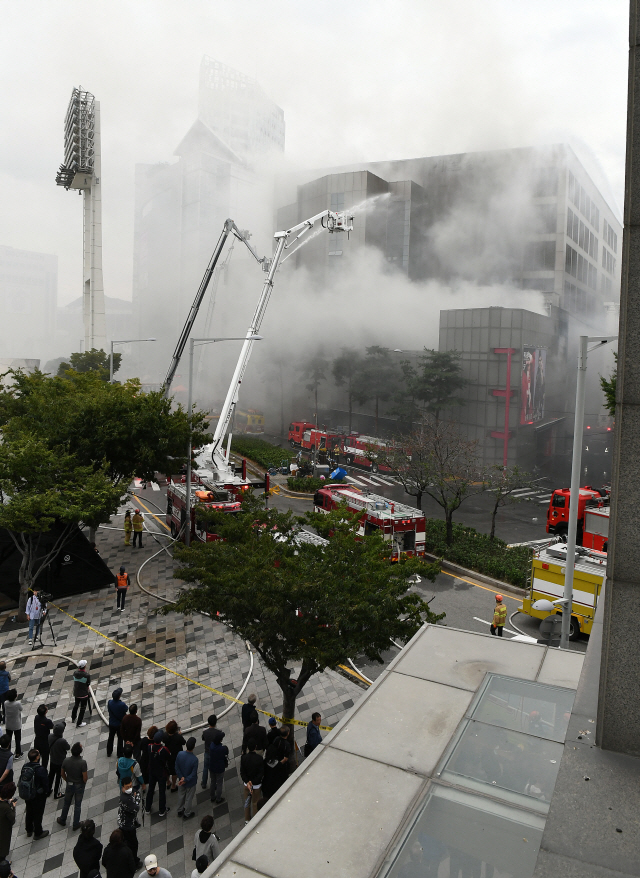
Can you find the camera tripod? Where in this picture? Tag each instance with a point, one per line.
(41, 621)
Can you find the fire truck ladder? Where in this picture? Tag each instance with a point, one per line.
(229, 228)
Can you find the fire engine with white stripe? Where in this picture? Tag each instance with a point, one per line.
(360, 451)
(401, 525)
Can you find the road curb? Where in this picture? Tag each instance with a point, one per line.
(481, 577)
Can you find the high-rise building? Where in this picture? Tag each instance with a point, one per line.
(531, 218)
(28, 299)
(180, 207)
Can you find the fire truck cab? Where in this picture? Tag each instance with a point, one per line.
(213, 497)
(399, 524)
(296, 430)
(359, 450)
(558, 511)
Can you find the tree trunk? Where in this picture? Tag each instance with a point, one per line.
(92, 534)
(316, 417)
(493, 522)
(288, 706)
(25, 579)
(418, 497)
(449, 521)
(350, 411)
(376, 415)
(282, 430)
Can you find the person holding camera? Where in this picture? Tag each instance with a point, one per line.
(7, 817)
(34, 614)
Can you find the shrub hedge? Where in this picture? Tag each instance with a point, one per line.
(477, 552)
(263, 453)
(310, 485)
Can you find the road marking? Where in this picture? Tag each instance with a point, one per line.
(355, 481)
(155, 486)
(477, 585)
(368, 481)
(163, 523)
(384, 481)
(484, 621)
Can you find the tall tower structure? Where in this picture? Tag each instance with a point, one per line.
(81, 170)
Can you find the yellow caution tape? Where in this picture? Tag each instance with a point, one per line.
(296, 722)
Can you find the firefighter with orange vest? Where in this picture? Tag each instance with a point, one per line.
(499, 617)
(122, 584)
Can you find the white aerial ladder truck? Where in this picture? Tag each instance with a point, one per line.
(214, 463)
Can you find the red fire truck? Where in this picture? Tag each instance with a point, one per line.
(596, 528)
(359, 450)
(212, 497)
(320, 440)
(296, 430)
(558, 511)
(401, 525)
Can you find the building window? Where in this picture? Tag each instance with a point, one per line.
(608, 262)
(580, 268)
(583, 237)
(540, 256)
(606, 285)
(609, 236)
(587, 207)
(337, 201)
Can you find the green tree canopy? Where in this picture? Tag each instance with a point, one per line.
(41, 486)
(301, 605)
(117, 425)
(90, 361)
(434, 383)
(609, 388)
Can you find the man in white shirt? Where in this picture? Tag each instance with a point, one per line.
(34, 614)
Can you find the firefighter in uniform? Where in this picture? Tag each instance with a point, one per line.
(122, 584)
(128, 527)
(138, 525)
(499, 617)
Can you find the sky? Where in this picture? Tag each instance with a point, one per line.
(363, 80)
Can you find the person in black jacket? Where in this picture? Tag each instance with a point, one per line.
(117, 710)
(145, 749)
(87, 851)
(218, 761)
(58, 749)
(257, 733)
(276, 763)
(252, 773)
(158, 772)
(117, 857)
(247, 711)
(81, 683)
(175, 742)
(274, 732)
(42, 728)
(128, 817)
(7, 817)
(35, 807)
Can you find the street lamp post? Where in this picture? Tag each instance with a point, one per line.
(192, 344)
(574, 493)
(124, 341)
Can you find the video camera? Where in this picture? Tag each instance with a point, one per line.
(44, 597)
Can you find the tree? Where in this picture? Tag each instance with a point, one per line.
(315, 370)
(435, 382)
(377, 380)
(300, 604)
(41, 487)
(90, 361)
(501, 484)
(438, 461)
(133, 433)
(609, 387)
(346, 370)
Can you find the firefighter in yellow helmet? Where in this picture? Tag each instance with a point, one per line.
(128, 527)
(499, 617)
(138, 527)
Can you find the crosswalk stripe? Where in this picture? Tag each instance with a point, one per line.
(354, 480)
(367, 480)
(155, 486)
(384, 481)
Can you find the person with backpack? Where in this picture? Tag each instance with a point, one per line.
(130, 729)
(81, 683)
(126, 768)
(58, 749)
(6, 760)
(122, 585)
(117, 710)
(159, 756)
(42, 728)
(7, 817)
(145, 749)
(88, 849)
(205, 844)
(13, 720)
(5, 679)
(128, 817)
(175, 742)
(75, 774)
(218, 762)
(33, 789)
(34, 614)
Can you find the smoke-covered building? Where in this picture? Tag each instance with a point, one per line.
(180, 206)
(28, 300)
(529, 218)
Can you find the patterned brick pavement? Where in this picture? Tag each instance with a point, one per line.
(196, 646)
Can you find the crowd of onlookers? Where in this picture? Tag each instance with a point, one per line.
(162, 760)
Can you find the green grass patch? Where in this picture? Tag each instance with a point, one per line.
(477, 552)
(263, 453)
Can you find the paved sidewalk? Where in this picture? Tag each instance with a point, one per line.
(196, 646)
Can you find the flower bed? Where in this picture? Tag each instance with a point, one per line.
(263, 453)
